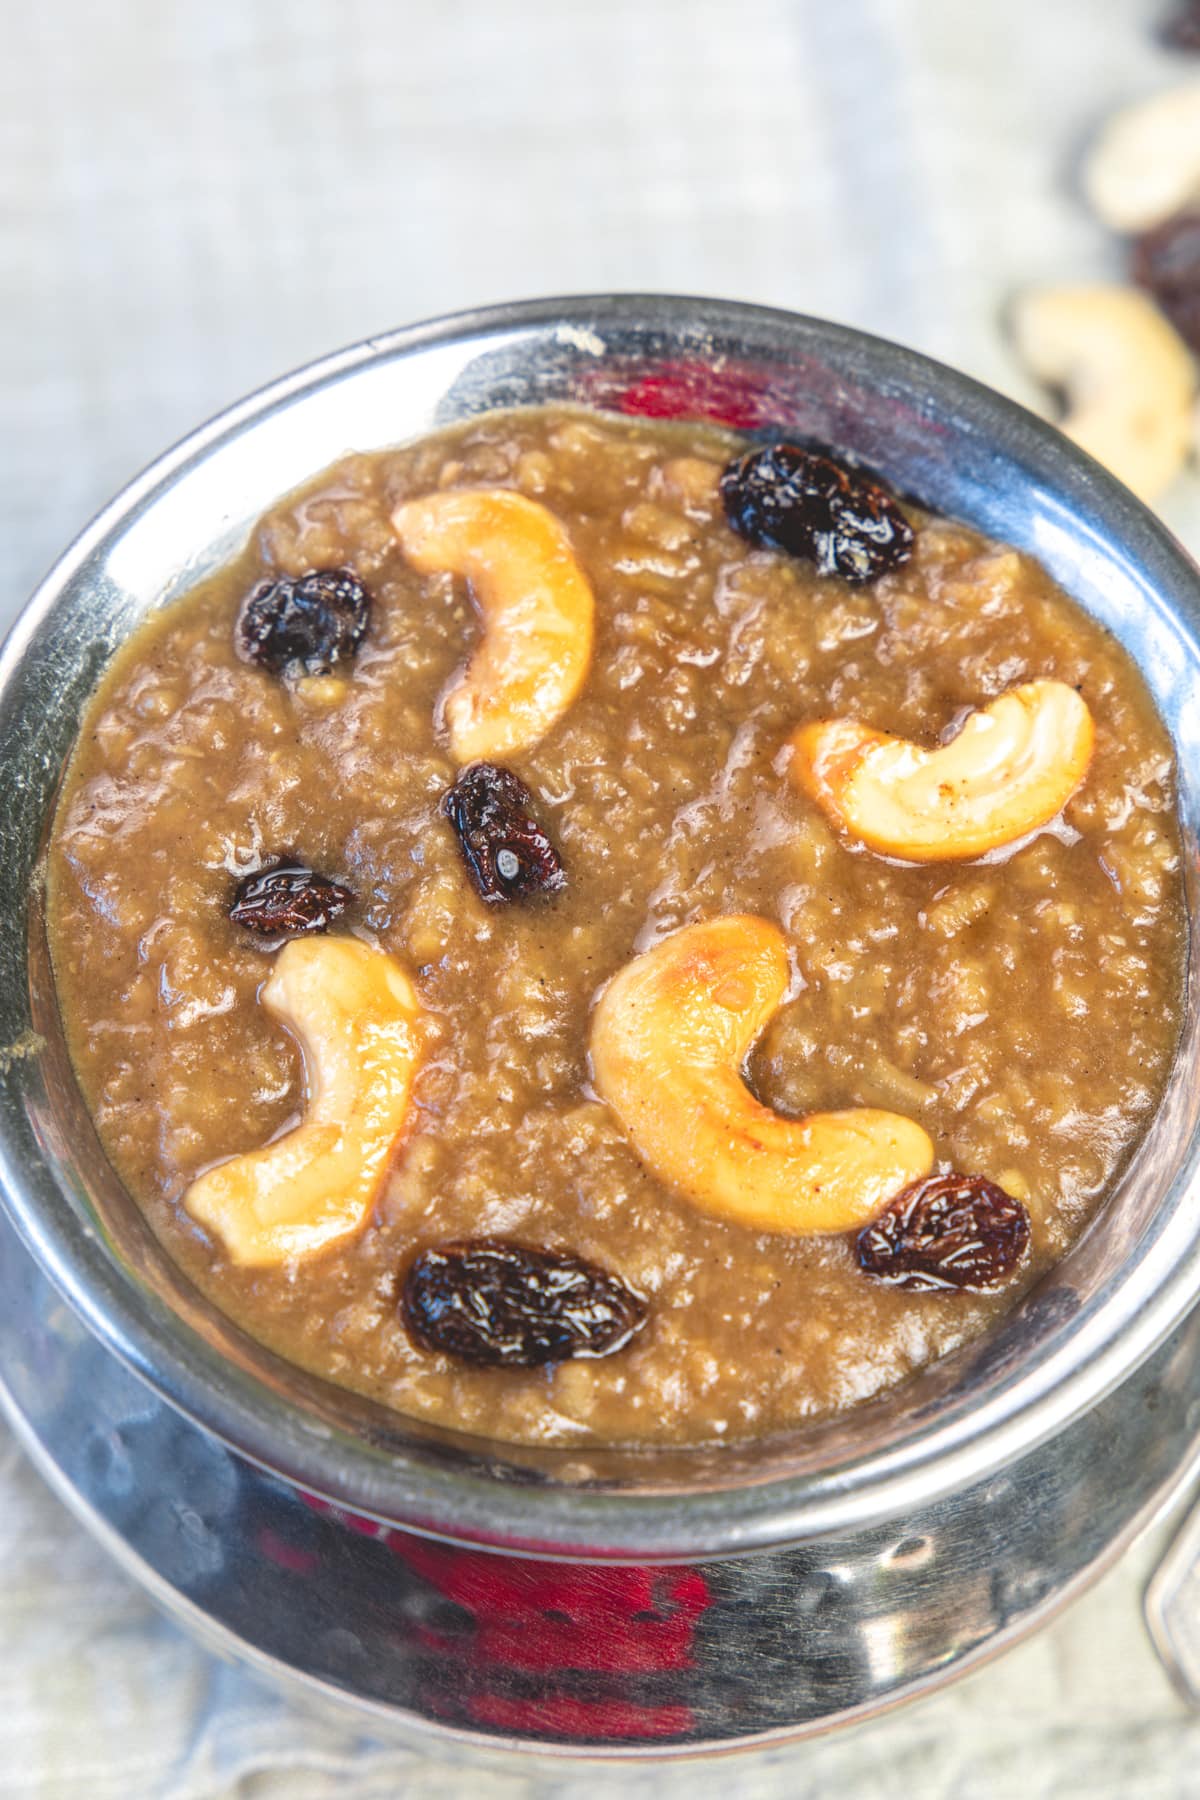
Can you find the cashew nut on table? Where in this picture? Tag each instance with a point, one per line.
(1127, 375)
(1145, 165)
(1012, 767)
(355, 1013)
(669, 1039)
(537, 613)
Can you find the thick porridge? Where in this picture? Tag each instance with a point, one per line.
(723, 999)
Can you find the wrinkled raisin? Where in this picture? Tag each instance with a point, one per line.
(948, 1231)
(1166, 261)
(1182, 30)
(508, 1306)
(311, 623)
(786, 498)
(288, 900)
(506, 851)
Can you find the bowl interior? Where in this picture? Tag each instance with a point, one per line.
(933, 434)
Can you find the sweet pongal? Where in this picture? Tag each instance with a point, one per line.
(588, 931)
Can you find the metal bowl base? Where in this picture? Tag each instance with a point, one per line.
(404, 1635)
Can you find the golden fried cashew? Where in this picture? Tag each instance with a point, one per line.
(536, 605)
(355, 1012)
(1127, 375)
(1145, 165)
(1011, 768)
(669, 1037)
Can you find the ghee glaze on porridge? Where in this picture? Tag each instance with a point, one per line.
(733, 923)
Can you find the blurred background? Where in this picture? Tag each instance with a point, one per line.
(198, 195)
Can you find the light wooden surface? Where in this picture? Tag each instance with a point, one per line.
(195, 196)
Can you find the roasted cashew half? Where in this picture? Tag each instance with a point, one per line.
(1127, 375)
(1011, 768)
(355, 1013)
(1145, 165)
(669, 1037)
(537, 613)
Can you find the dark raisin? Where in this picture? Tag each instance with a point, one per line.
(506, 851)
(787, 498)
(288, 900)
(509, 1306)
(1182, 30)
(312, 623)
(1166, 261)
(948, 1231)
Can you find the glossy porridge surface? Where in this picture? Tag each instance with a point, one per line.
(1023, 1008)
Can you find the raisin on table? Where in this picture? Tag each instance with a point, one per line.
(508, 855)
(783, 497)
(288, 900)
(1166, 262)
(948, 1231)
(1181, 30)
(310, 624)
(505, 1305)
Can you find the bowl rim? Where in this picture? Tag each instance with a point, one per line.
(557, 1520)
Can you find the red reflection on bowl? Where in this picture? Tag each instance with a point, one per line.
(549, 1615)
(548, 1624)
(731, 394)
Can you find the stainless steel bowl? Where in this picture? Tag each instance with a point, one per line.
(934, 434)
